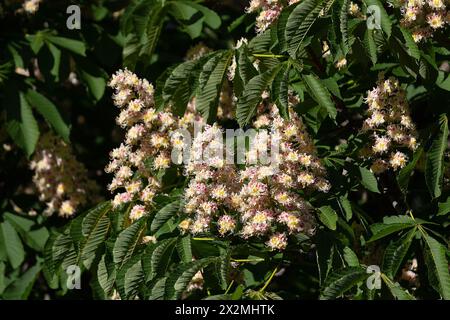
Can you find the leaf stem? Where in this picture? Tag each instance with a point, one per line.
(259, 55)
(229, 286)
(247, 260)
(268, 280)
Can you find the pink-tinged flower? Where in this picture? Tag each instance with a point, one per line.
(277, 242)
(122, 198)
(137, 212)
(226, 224)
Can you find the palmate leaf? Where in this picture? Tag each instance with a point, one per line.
(156, 289)
(344, 24)
(160, 256)
(261, 43)
(434, 166)
(280, 88)
(395, 253)
(106, 273)
(128, 241)
(350, 257)
(134, 278)
(121, 274)
(251, 96)
(164, 214)
(300, 21)
(341, 281)
(50, 112)
(404, 175)
(368, 180)
(20, 289)
(371, 46)
(179, 279)
(32, 235)
(244, 70)
(439, 265)
(72, 45)
(210, 84)
(413, 49)
(444, 207)
(156, 258)
(21, 124)
(346, 206)
(95, 227)
(179, 85)
(11, 244)
(184, 248)
(320, 94)
(396, 290)
(389, 226)
(328, 217)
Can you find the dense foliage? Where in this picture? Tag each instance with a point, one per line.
(355, 93)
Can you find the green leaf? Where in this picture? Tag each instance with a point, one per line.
(251, 96)
(211, 79)
(244, 70)
(211, 18)
(20, 288)
(368, 180)
(444, 207)
(50, 112)
(178, 86)
(344, 24)
(328, 217)
(371, 46)
(396, 290)
(179, 279)
(56, 54)
(75, 46)
(95, 227)
(300, 21)
(33, 236)
(320, 94)
(2, 277)
(440, 265)
(395, 254)
(350, 257)
(390, 225)
(95, 80)
(280, 91)
(386, 23)
(184, 248)
(12, 244)
(165, 214)
(106, 274)
(22, 127)
(134, 278)
(36, 41)
(413, 49)
(341, 281)
(160, 257)
(405, 173)
(346, 205)
(434, 166)
(128, 241)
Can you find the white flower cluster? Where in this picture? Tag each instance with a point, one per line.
(258, 200)
(424, 17)
(269, 11)
(61, 180)
(390, 126)
(148, 143)
(31, 6)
